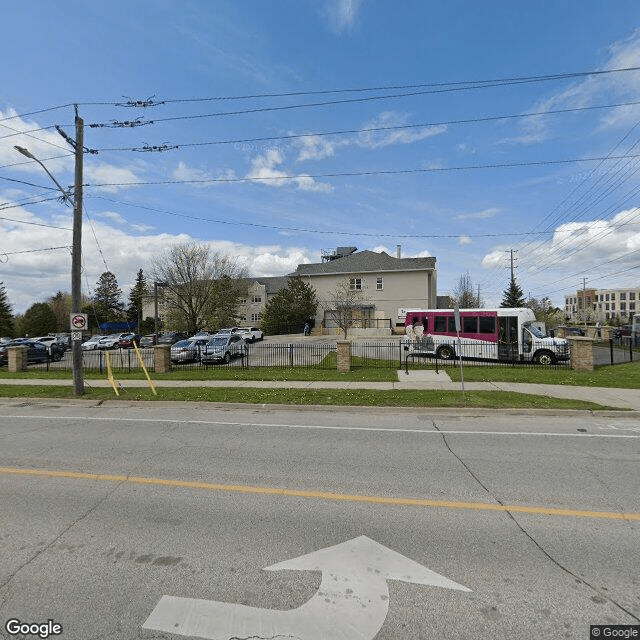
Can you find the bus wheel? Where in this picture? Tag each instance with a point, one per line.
(446, 352)
(545, 358)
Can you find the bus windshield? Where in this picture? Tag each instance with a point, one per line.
(536, 331)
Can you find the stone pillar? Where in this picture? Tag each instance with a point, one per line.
(343, 349)
(162, 358)
(17, 359)
(581, 353)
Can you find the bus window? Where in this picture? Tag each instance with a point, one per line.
(470, 324)
(487, 324)
(440, 324)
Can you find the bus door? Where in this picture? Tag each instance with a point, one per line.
(508, 338)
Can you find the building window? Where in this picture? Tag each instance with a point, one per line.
(379, 286)
(256, 299)
(613, 307)
(355, 284)
(623, 296)
(623, 306)
(613, 296)
(255, 317)
(632, 306)
(632, 295)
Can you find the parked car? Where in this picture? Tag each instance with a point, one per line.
(172, 337)
(129, 340)
(147, 341)
(36, 351)
(251, 334)
(112, 341)
(92, 343)
(222, 348)
(228, 330)
(56, 348)
(187, 350)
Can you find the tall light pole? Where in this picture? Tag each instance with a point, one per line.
(76, 249)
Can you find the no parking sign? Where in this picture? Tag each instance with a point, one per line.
(79, 321)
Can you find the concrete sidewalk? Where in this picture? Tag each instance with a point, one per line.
(415, 380)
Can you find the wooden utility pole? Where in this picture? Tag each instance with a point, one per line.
(76, 257)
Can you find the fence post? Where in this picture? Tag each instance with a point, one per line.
(17, 359)
(291, 355)
(581, 353)
(343, 351)
(611, 349)
(162, 358)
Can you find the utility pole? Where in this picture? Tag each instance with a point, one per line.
(584, 303)
(76, 257)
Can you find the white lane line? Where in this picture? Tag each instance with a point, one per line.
(254, 425)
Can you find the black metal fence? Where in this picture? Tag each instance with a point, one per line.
(381, 354)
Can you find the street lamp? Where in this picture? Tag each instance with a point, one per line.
(155, 305)
(76, 250)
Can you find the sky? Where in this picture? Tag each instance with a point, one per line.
(276, 131)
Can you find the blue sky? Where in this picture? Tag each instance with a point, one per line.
(292, 127)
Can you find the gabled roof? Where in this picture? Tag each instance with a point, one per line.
(366, 261)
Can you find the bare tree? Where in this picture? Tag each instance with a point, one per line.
(345, 305)
(464, 293)
(201, 287)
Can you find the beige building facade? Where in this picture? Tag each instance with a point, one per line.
(603, 305)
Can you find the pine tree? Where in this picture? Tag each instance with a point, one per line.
(107, 299)
(6, 316)
(290, 307)
(513, 296)
(139, 291)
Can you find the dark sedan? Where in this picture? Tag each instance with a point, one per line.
(36, 351)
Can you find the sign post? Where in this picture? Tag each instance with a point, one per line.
(456, 315)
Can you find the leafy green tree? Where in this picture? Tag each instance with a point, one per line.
(39, 319)
(294, 305)
(139, 291)
(107, 299)
(513, 297)
(7, 326)
(60, 304)
(546, 312)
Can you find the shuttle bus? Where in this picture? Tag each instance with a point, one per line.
(635, 330)
(493, 334)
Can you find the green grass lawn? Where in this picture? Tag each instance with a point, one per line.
(302, 397)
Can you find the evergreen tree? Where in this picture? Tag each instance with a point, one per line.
(107, 299)
(139, 291)
(39, 320)
(513, 296)
(6, 316)
(292, 306)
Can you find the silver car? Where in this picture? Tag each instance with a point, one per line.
(187, 350)
(222, 348)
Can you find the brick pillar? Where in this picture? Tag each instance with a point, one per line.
(162, 358)
(581, 353)
(344, 356)
(17, 359)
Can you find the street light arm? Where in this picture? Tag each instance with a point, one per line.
(28, 154)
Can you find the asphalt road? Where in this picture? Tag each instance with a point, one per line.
(105, 510)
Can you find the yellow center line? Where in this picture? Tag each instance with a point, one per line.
(321, 495)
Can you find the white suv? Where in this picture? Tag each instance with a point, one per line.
(251, 334)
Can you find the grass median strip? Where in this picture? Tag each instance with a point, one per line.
(327, 397)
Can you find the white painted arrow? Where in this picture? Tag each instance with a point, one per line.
(351, 603)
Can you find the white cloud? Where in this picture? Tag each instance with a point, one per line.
(593, 90)
(606, 252)
(479, 215)
(464, 240)
(111, 177)
(385, 138)
(265, 168)
(342, 14)
(207, 178)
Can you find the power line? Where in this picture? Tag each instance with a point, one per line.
(343, 174)
(170, 147)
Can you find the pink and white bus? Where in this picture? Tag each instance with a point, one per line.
(493, 334)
